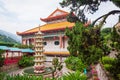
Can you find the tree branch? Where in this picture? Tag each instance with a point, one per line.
(105, 16)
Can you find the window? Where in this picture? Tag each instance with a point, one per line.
(56, 42)
(44, 43)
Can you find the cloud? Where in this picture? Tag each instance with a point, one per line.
(21, 15)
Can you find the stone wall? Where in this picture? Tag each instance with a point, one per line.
(101, 72)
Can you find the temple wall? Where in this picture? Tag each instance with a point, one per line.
(53, 48)
(50, 39)
(50, 58)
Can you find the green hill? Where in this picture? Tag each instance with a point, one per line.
(7, 39)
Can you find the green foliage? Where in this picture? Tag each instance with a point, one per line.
(26, 61)
(6, 44)
(70, 76)
(74, 76)
(112, 65)
(56, 66)
(74, 63)
(6, 39)
(115, 39)
(115, 71)
(1, 58)
(80, 7)
(116, 2)
(23, 46)
(108, 60)
(25, 77)
(108, 67)
(93, 55)
(2, 75)
(85, 42)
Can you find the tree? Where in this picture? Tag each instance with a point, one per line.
(80, 7)
(106, 40)
(24, 46)
(85, 43)
(56, 66)
(115, 39)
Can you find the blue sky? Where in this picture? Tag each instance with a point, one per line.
(21, 15)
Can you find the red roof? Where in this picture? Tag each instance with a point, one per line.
(57, 14)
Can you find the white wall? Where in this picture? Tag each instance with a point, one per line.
(51, 47)
(50, 58)
(15, 54)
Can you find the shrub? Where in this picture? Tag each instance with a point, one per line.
(108, 60)
(74, 76)
(74, 63)
(2, 75)
(70, 76)
(24, 77)
(26, 61)
(108, 67)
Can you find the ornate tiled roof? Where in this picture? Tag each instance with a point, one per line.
(49, 27)
(57, 53)
(57, 14)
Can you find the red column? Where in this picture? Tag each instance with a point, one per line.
(64, 42)
(24, 41)
(60, 40)
(32, 41)
(6, 54)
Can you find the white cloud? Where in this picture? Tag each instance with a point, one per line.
(21, 15)
(104, 8)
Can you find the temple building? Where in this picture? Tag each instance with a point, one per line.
(55, 41)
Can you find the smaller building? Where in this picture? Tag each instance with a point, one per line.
(13, 55)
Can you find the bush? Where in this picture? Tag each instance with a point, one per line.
(70, 76)
(7, 44)
(74, 76)
(26, 61)
(108, 67)
(74, 63)
(108, 60)
(2, 75)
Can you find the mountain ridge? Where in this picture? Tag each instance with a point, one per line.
(8, 37)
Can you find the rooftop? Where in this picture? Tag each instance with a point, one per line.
(17, 49)
(49, 27)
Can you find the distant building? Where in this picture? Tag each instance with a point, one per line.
(13, 55)
(55, 41)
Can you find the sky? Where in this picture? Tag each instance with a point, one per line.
(22, 15)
